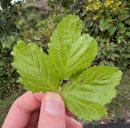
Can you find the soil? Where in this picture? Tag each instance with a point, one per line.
(118, 124)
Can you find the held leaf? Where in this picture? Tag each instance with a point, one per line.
(33, 65)
(102, 80)
(70, 51)
(87, 89)
(94, 88)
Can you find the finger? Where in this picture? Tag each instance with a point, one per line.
(34, 119)
(72, 123)
(39, 96)
(52, 112)
(21, 110)
(68, 113)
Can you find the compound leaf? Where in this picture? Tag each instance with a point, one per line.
(88, 89)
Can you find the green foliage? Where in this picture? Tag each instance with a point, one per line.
(120, 106)
(40, 32)
(69, 53)
(30, 62)
(5, 4)
(109, 23)
(69, 46)
(8, 75)
(5, 105)
(110, 28)
(14, 19)
(86, 95)
(9, 34)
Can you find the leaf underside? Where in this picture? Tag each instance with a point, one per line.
(70, 54)
(36, 70)
(89, 92)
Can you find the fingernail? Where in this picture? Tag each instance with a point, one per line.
(53, 104)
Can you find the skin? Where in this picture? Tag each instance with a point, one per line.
(39, 110)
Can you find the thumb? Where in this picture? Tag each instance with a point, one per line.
(52, 112)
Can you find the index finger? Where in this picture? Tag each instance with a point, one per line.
(21, 110)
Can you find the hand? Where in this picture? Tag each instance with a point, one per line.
(39, 110)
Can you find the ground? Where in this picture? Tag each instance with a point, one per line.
(118, 124)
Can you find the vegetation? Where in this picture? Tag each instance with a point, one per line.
(108, 23)
(69, 52)
(8, 37)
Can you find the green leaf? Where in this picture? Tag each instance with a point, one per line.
(127, 34)
(103, 25)
(112, 30)
(35, 68)
(69, 51)
(81, 54)
(87, 90)
(87, 94)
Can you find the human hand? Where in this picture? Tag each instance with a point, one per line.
(39, 110)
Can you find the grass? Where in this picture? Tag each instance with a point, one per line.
(120, 105)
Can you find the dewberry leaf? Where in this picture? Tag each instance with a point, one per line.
(70, 51)
(35, 68)
(102, 80)
(70, 54)
(94, 88)
(81, 55)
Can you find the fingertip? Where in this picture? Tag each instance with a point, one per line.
(39, 96)
(52, 110)
(20, 112)
(54, 104)
(27, 102)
